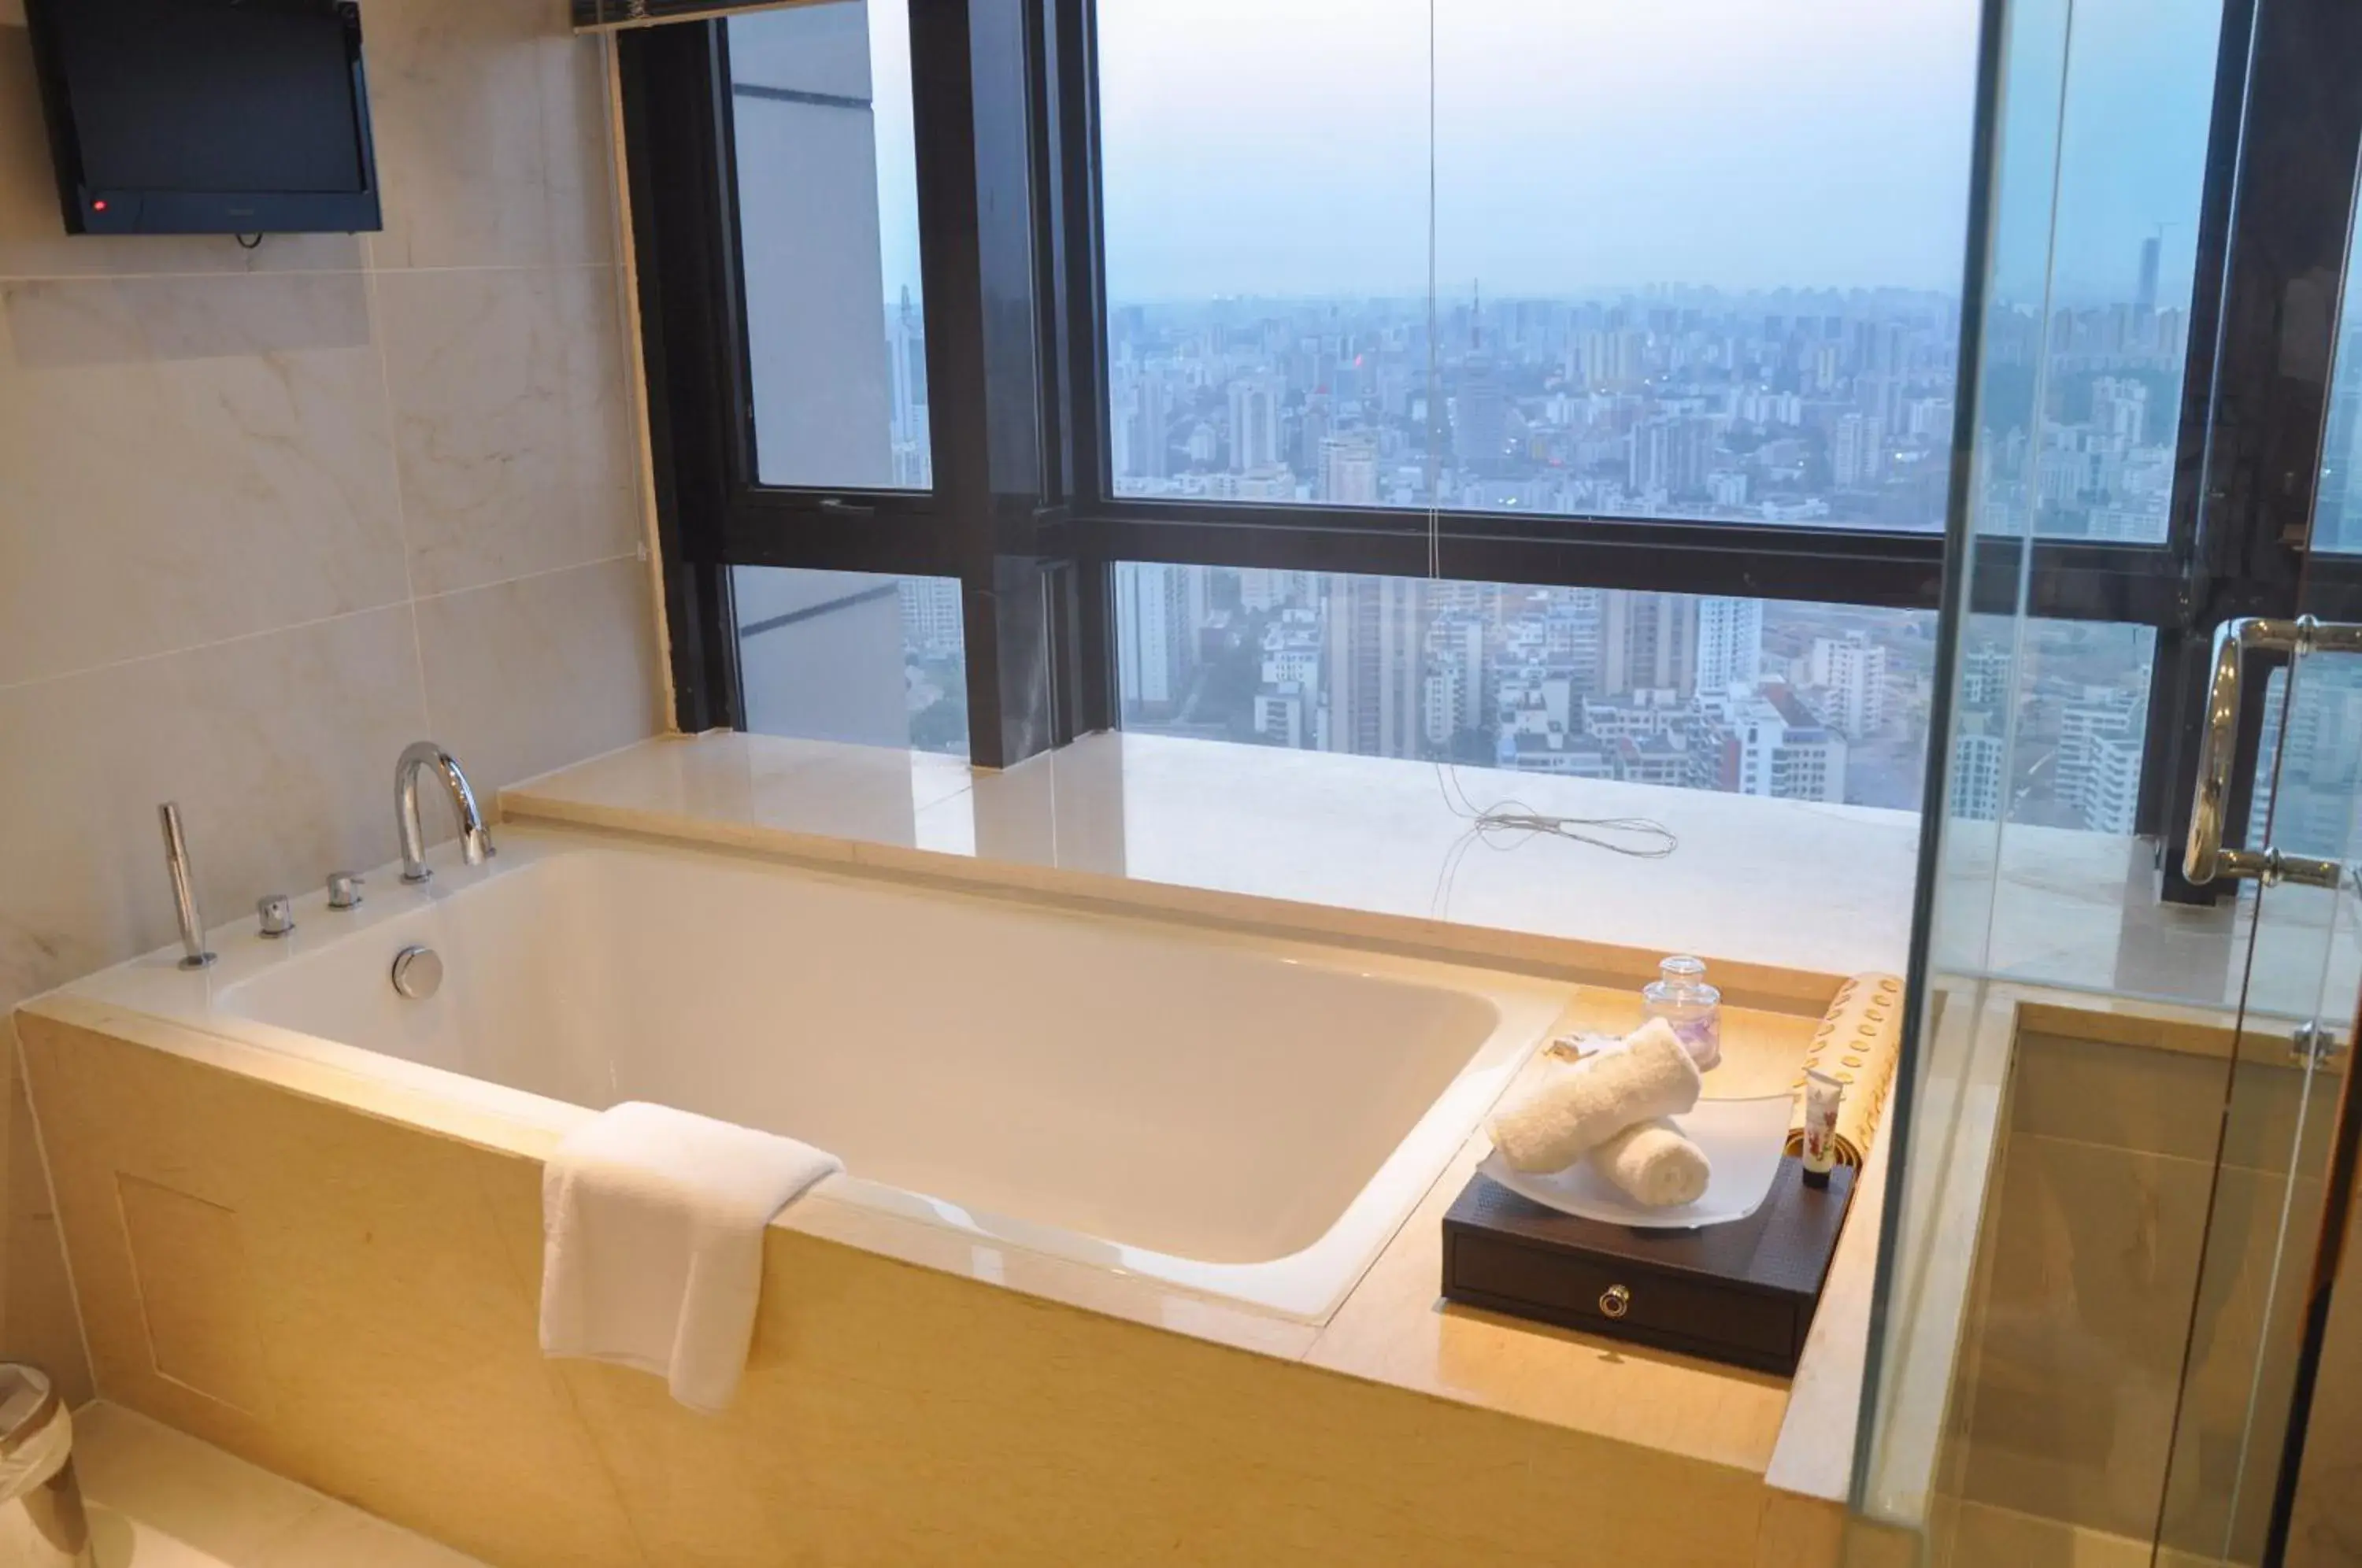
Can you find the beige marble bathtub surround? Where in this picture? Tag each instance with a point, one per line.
(267, 516)
(161, 1499)
(2096, 1307)
(367, 1307)
(38, 1322)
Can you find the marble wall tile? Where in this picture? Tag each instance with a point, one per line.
(187, 459)
(510, 421)
(279, 747)
(33, 239)
(492, 134)
(530, 675)
(207, 571)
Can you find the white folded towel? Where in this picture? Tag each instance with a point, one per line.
(1654, 1164)
(1570, 1114)
(652, 1226)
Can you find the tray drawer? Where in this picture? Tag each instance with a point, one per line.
(1586, 1292)
(1742, 1293)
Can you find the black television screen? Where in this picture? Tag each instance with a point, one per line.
(208, 117)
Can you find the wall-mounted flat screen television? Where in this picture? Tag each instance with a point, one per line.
(208, 117)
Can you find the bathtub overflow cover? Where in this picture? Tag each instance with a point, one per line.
(418, 973)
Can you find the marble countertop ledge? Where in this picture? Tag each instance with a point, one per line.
(1781, 897)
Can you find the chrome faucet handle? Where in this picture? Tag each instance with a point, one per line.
(277, 914)
(344, 889)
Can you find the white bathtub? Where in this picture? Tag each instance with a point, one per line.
(1239, 1116)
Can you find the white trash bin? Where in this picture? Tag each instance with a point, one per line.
(41, 1521)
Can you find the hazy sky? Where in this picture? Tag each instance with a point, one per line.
(1282, 146)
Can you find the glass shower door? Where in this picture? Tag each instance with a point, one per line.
(2253, 1371)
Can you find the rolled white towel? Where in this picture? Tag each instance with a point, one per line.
(1654, 1164)
(1567, 1116)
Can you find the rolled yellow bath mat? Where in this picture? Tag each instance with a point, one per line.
(1858, 1043)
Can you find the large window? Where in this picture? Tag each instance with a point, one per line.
(1537, 385)
(1799, 702)
(828, 214)
(1716, 319)
(848, 656)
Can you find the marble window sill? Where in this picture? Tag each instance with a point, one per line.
(1783, 897)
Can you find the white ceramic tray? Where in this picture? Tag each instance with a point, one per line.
(1743, 1139)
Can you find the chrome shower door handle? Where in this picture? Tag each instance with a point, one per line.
(2204, 859)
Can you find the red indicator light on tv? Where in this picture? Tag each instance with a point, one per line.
(99, 205)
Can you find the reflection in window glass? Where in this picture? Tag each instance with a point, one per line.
(2337, 510)
(828, 211)
(2115, 277)
(847, 655)
(2310, 762)
(2080, 693)
(1801, 702)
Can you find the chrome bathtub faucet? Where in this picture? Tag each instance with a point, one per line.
(184, 888)
(475, 837)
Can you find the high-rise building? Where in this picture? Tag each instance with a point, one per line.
(1649, 641)
(1349, 471)
(1454, 688)
(1260, 587)
(1849, 452)
(2120, 410)
(1159, 608)
(930, 614)
(1254, 424)
(1374, 666)
(1852, 670)
(905, 368)
(1975, 779)
(2145, 298)
(1151, 428)
(1480, 416)
(1730, 644)
(2110, 796)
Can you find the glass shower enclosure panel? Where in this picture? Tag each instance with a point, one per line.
(2119, 1167)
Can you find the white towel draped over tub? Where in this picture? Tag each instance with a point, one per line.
(652, 1241)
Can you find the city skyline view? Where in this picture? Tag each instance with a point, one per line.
(1436, 271)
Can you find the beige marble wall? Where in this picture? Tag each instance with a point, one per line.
(265, 516)
(2114, 1262)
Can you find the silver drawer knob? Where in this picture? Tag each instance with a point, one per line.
(417, 972)
(1615, 1302)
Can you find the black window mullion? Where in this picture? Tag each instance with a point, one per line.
(2296, 127)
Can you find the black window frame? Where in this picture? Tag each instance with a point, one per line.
(1023, 511)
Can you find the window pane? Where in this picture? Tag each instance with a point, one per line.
(828, 206)
(2338, 512)
(1745, 310)
(1802, 701)
(2079, 693)
(848, 656)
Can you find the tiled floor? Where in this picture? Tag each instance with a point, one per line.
(159, 1498)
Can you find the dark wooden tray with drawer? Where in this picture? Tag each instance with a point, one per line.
(1741, 1293)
